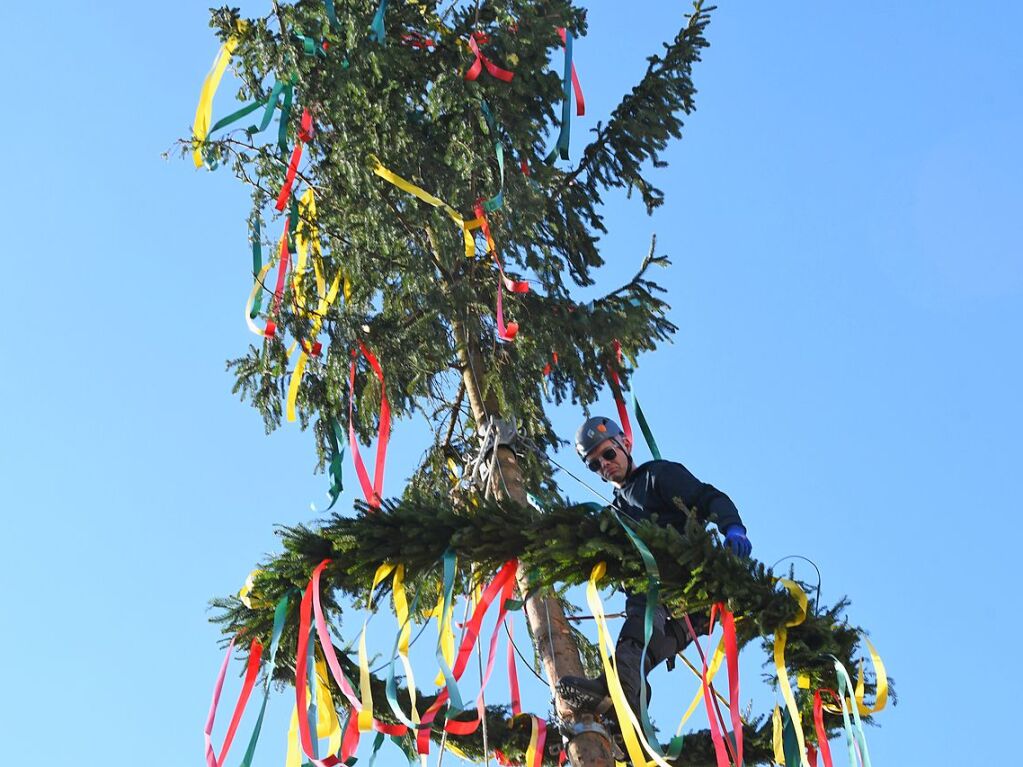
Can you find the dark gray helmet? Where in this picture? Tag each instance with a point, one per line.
(594, 431)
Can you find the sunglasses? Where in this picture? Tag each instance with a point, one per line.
(608, 455)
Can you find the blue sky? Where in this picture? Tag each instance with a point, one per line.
(842, 215)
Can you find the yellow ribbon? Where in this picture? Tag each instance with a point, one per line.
(715, 664)
(405, 633)
(780, 637)
(366, 713)
(256, 287)
(881, 699)
(250, 583)
(632, 732)
(306, 239)
(776, 737)
(204, 111)
(417, 191)
(446, 634)
(882, 683)
(327, 724)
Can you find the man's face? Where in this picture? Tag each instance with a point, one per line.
(610, 460)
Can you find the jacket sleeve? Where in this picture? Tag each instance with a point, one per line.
(675, 483)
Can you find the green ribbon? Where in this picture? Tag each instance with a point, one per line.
(497, 200)
(313, 689)
(280, 613)
(377, 33)
(282, 129)
(337, 454)
(789, 741)
(391, 688)
(257, 263)
(331, 13)
(645, 427)
(653, 591)
(561, 147)
(455, 705)
(271, 107)
(845, 687)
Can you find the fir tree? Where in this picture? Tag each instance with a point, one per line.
(390, 92)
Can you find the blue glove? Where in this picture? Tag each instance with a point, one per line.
(736, 540)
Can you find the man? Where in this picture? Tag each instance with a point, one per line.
(669, 491)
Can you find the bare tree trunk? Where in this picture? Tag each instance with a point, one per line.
(554, 643)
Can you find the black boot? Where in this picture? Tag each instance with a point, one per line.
(585, 695)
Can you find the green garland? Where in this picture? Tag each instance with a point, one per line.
(559, 547)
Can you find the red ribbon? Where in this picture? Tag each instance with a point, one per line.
(541, 742)
(374, 492)
(251, 672)
(818, 723)
(301, 677)
(504, 581)
(305, 133)
(282, 271)
(616, 389)
(513, 675)
(482, 61)
(732, 660)
(418, 41)
(515, 286)
(547, 367)
(350, 741)
(580, 102)
(720, 750)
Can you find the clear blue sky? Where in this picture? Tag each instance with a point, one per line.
(847, 278)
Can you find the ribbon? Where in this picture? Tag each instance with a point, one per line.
(374, 492)
(732, 654)
(325, 297)
(580, 101)
(513, 674)
(416, 191)
(715, 665)
(501, 583)
(282, 270)
(632, 732)
(565, 132)
(271, 107)
(204, 111)
(509, 331)
(377, 33)
(547, 367)
(252, 671)
(280, 612)
(401, 649)
(331, 13)
(482, 61)
(818, 724)
(720, 749)
(537, 741)
(515, 286)
(257, 266)
(497, 200)
(336, 437)
(616, 390)
(881, 698)
(282, 126)
(302, 656)
(644, 427)
(304, 135)
(845, 685)
(780, 638)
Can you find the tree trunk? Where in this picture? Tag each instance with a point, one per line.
(553, 640)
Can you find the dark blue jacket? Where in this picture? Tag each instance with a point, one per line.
(666, 489)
